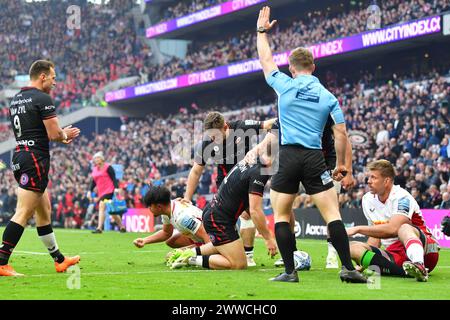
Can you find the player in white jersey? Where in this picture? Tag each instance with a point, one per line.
(182, 222)
(396, 222)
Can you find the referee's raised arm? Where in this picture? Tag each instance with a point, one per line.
(262, 42)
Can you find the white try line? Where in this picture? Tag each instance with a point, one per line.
(119, 273)
(20, 252)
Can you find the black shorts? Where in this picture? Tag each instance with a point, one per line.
(107, 196)
(298, 164)
(31, 170)
(220, 228)
(331, 163)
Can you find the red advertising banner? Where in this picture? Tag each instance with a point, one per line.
(139, 220)
(433, 220)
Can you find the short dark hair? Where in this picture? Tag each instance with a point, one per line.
(157, 195)
(40, 66)
(214, 120)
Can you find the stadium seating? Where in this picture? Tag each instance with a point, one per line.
(415, 137)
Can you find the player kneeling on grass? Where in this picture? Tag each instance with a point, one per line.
(242, 189)
(185, 218)
(396, 222)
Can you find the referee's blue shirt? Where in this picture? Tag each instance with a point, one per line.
(303, 109)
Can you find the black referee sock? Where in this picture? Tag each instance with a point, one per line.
(286, 244)
(48, 239)
(11, 237)
(294, 241)
(339, 239)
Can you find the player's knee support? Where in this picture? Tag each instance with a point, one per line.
(246, 224)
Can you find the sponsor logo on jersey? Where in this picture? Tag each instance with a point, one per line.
(15, 166)
(250, 122)
(49, 107)
(24, 179)
(188, 223)
(21, 101)
(403, 205)
(258, 183)
(29, 143)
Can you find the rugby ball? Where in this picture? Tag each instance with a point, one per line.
(302, 260)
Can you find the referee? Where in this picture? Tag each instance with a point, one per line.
(304, 106)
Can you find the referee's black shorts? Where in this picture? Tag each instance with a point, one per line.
(298, 164)
(220, 227)
(31, 170)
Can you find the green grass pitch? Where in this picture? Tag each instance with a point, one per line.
(112, 268)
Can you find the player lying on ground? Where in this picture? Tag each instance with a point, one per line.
(242, 189)
(396, 222)
(33, 117)
(185, 219)
(225, 143)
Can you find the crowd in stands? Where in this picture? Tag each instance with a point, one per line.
(106, 46)
(404, 122)
(103, 48)
(184, 8)
(311, 28)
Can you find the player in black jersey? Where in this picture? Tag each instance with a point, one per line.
(242, 189)
(225, 143)
(34, 121)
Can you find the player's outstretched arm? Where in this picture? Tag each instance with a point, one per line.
(257, 215)
(193, 179)
(159, 236)
(262, 42)
(55, 133)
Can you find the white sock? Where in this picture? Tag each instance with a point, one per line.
(195, 261)
(194, 251)
(331, 249)
(49, 241)
(414, 250)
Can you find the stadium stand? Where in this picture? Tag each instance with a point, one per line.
(184, 8)
(406, 121)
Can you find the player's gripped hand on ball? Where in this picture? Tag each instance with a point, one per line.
(139, 243)
(264, 19)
